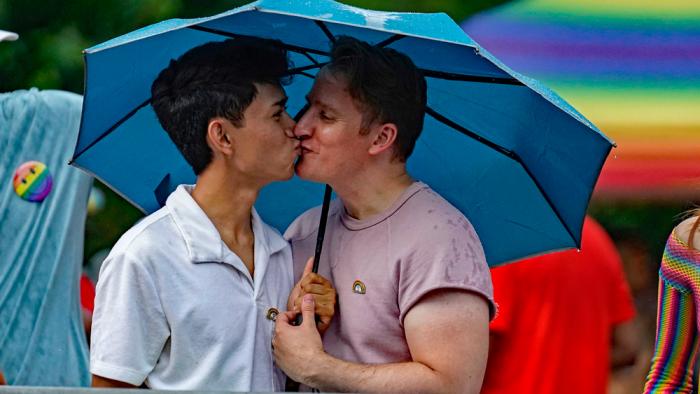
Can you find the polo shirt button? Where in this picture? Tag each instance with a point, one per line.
(32, 181)
(272, 314)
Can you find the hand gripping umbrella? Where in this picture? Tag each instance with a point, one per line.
(514, 157)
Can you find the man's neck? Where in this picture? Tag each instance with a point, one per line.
(369, 194)
(228, 202)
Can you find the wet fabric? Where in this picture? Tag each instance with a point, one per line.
(42, 342)
(384, 265)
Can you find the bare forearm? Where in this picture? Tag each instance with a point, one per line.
(99, 381)
(446, 332)
(332, 374)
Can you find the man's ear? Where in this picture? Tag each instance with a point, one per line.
(218, 136)
(384, 138)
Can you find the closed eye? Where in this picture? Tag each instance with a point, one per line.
(278, 115)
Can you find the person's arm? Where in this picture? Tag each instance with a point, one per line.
(625, 344)
(99, 381)
(447, 334)
(676, 343)
(629, 360)
(129, 328)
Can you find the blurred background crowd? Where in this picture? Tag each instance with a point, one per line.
(632, 67)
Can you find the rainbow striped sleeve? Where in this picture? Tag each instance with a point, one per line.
(676, 344)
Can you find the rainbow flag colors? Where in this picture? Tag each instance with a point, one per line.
(32, 181)
(676, 345)
(632, 67)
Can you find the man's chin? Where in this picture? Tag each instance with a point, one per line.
(303, 172)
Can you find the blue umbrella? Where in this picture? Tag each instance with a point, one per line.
(513, 156)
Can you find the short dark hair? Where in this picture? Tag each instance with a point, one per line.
(386, 84)
(213, 80)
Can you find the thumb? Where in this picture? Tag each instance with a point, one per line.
(308, 307)
(308, 267)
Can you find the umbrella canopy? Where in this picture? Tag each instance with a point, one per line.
(631, 66)
(515, 158)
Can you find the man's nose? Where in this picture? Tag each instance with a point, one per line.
(302, 130)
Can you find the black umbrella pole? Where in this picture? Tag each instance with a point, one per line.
(322, 227)
(319, 239)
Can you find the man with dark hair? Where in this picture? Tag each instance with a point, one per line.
(187, 297)
(414, 288)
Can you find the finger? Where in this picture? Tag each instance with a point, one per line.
(296, 292)
(324, 323)
(324, 313)
(314, 278)
(308, 306)
(315, 288)
(308, 267)
(284, 318)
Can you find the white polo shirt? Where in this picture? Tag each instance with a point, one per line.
(177, 309)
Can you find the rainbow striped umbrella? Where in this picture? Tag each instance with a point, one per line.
(631, 66)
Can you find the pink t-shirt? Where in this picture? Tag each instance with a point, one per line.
(383, 265)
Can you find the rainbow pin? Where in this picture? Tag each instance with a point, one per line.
(32, 181)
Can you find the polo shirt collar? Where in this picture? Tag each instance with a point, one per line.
(204, 243)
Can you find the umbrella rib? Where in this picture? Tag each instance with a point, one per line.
(300, 70)
(301, 112)
(110, 130)
(293, 48)
(507, 152)
(390, 40)
(314, 61)
(444, 120)
(307, 75)
(326, 31)
(470, 78)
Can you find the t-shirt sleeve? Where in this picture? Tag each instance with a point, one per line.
(451, 257)
(129, 327)
(504, 293)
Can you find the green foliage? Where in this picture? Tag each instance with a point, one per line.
(103, 228)
(646, 221)
(53, 33)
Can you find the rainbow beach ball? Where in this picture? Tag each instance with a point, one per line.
(32, 181)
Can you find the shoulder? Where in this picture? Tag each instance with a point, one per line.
(147, 238)
(52, 100)
(60, 96)
(684, 228)
(307, 223)
(431, 220)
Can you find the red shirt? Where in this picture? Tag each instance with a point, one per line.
(556, 317)
(87, 293)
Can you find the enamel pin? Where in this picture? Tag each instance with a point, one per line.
(359, 287)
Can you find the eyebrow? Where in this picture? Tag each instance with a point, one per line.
(321, 103)
(281, 102)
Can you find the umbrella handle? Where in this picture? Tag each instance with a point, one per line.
(319, 239)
